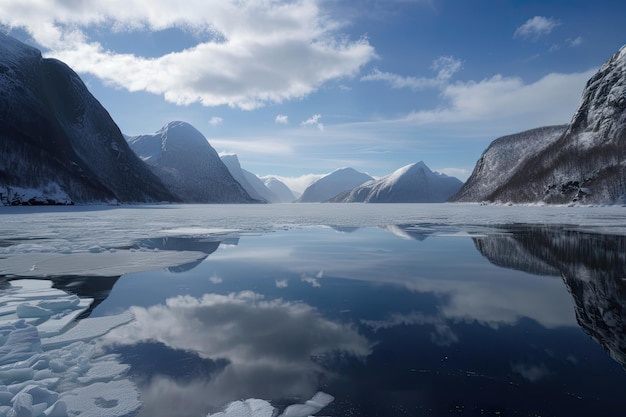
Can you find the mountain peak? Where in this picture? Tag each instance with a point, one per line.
(231, 160)
(181, 133)
(602, 106)
(338, 181)
(187, 163)
(413, 183)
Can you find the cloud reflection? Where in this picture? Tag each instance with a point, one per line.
(442, 334)
(470, 289)
(269, 344)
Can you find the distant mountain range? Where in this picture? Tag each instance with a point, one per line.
(414, 183)
(58, 145)
(327, 187)
(250, 182)
(582, 162)
(280, 189)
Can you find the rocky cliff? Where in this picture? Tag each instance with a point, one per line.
(57, 143)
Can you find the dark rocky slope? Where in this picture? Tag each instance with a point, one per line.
(585, 164)
(57, 143)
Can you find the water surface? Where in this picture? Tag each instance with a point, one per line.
(466, 313)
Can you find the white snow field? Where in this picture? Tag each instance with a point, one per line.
(51, 365)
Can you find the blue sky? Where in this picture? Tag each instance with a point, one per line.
(300, 88)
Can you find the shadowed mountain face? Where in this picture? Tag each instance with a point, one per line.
(58, 141)
(592, 266)
(185, 161)
(501, 160)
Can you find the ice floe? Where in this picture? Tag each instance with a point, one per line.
(260, 408)
(48, 367)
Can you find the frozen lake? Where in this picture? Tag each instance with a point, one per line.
(303, 309)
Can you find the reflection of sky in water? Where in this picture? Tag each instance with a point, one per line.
(388, 323)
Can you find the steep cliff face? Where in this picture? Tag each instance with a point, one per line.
(502, 159)
(250, 182)
(56, 139)
(414, 183)
(188, 165)
(592, 267)
(585, 164)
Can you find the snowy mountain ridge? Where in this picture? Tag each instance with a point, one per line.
(188, 165)
(332, 184)
(413, 183)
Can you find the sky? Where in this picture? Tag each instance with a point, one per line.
(300, 88)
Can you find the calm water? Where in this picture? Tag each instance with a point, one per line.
(415, 319)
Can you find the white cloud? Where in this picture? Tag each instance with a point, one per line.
(445, 66)
(282, 283)
(256, 146)
(536, 27)
(282, 119)
(249, 53)
(460, 173)
(575, 42)
(549, 100)
(314, 121)
(215, 121)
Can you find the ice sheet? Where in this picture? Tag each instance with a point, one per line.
(94, 264)
(94, 240)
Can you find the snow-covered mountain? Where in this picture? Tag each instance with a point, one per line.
(250, 182)
(57, 143)
(414, 183)
(502, 159)
(585, 163)
(188, 165)
(330, 185)
(279, 188)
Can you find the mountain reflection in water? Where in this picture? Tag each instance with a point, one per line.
(593, 268)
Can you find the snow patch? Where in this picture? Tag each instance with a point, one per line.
(51, 193)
